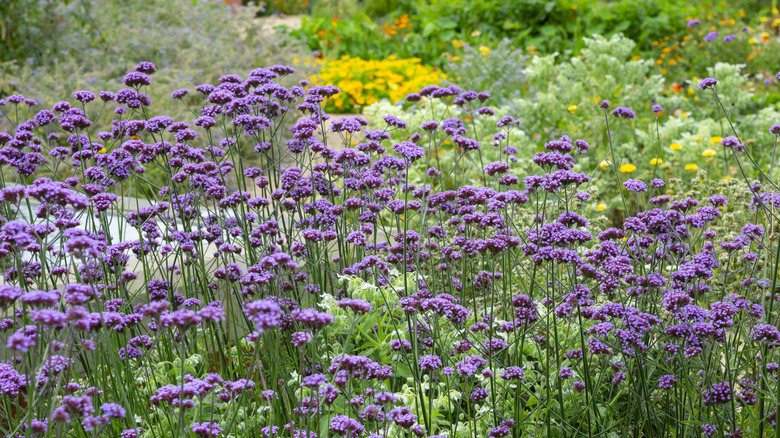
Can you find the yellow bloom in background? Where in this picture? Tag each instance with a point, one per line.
(691, 166)
(726, 178)
(627, 168)
(716, 139)
(457, 44)
(655, 161)
(603, 165)
(763, 19)
(363, 82)
(572, 107)
(752, 41)
(675, 146)
(601, 206)
(776, 22)
(691, 92)
(709, 152)
(484, 50)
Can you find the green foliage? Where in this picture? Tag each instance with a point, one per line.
(548, 26)
(31, 29)
(497, 70)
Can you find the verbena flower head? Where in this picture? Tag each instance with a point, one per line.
(711, 36)
(623, 112)
(635, 185)
(733, 143)
(708, 83)
(693, 22)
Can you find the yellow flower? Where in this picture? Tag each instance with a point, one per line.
(597, 99)
(601, 206)
(457, 44)
(763, 19)
(627, 168)
(603, 165)
(675, 146)
(776, 22)
(691, 166)
(636, 57)
(716, 140)
(691, 92)
(655, 161)
(709, 152)
(752, 41)
(572, 107)
(726, 178)
(484, 50)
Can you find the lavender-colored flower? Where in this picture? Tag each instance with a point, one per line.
(266, 314)
(623, 112)
(656, 108)
(357, 305)
(729, 38)
(667, 381)
(565, 373)
(693, 22)
(733, 143)
(430, 362)
(635, 185)
(708, 83)
(711, 36)
(343, 425)
(206, 429)
(312, 319)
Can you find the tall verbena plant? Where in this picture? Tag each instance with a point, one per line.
(330, 291)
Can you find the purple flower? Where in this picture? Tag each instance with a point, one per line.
(430, 362)
(733, 143)
(312, 319)
(711, 36)
(84, 96)
(656, 108)
(693, 22)
(708, 83)
(145, 67)
(623, 112)
(565, 373)
(136, 79)
(357, 305)
(343, 425)
(667, 381)
(774, 129)
(729, 38)
(206, 429)
(635, 185)
(266, 314)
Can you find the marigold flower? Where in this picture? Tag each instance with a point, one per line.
(627, 168)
